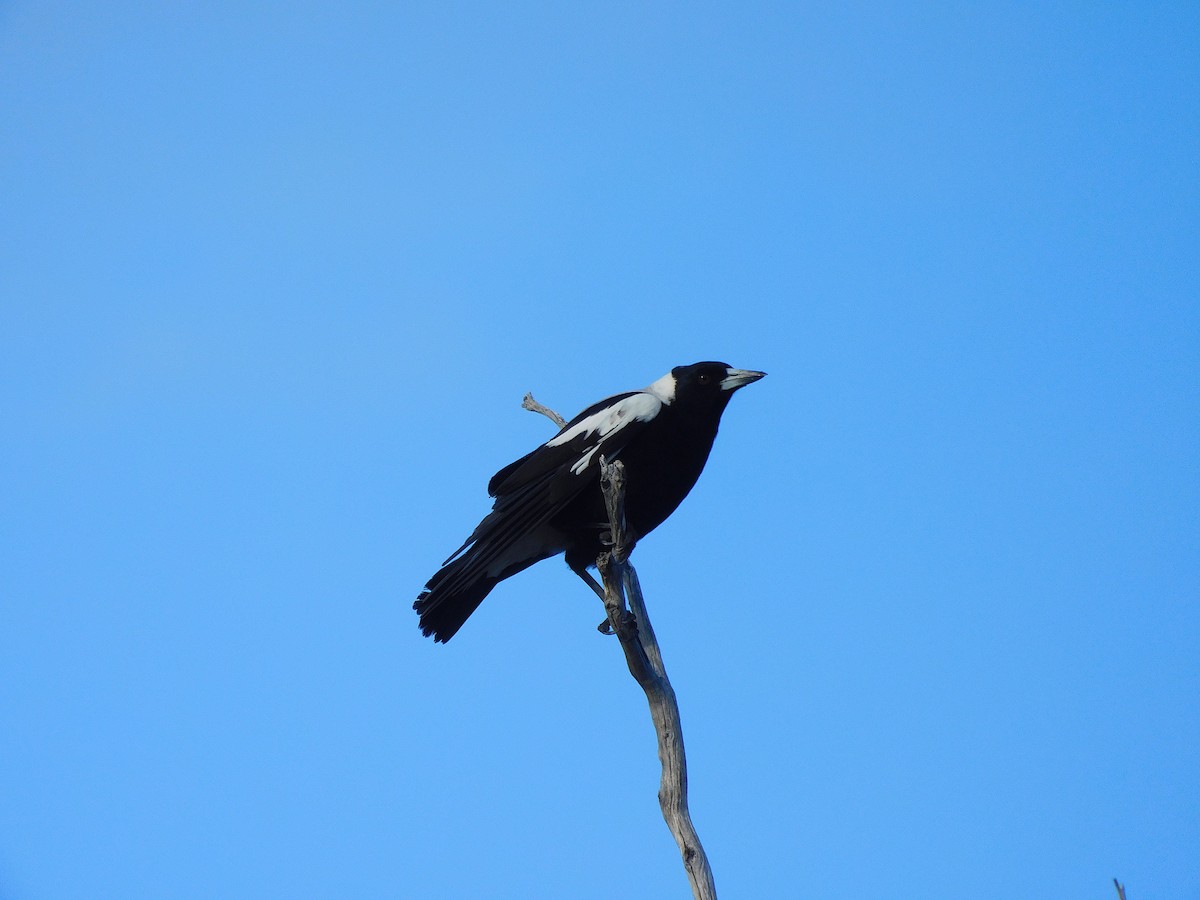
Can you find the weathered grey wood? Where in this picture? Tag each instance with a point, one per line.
(533, 406)
(644, 658)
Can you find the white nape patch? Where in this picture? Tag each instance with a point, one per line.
(641, 407)
(664, 388)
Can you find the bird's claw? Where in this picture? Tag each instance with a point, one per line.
(628, 621)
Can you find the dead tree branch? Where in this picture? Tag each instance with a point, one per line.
(533, 406)
(642, 655)
(644, 659)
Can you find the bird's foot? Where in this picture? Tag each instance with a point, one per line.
(628, 621)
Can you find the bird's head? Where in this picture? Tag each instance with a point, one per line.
(707, 384)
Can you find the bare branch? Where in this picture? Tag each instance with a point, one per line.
(533, 406)
(1120, 889)
(644, 659)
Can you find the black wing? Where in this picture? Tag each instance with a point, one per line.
(533, 489)
(560, 452)
(529, 493)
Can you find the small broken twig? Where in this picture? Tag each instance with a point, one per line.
(533, 406)
(644, 659)
(1120, 889)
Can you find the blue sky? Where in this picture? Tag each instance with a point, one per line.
(273, 280)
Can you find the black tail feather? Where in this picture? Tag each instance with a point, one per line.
(447, 602)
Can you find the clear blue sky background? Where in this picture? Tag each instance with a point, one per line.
(273, 280)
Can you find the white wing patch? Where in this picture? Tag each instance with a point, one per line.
(641, 407)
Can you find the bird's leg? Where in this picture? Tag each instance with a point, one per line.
(604, 627)
(590, 581)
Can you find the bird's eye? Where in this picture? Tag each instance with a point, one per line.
(703, 379)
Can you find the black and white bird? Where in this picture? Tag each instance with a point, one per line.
(549, 501)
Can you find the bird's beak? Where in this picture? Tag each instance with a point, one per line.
(737, 378)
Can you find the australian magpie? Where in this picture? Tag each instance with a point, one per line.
(549, 501)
